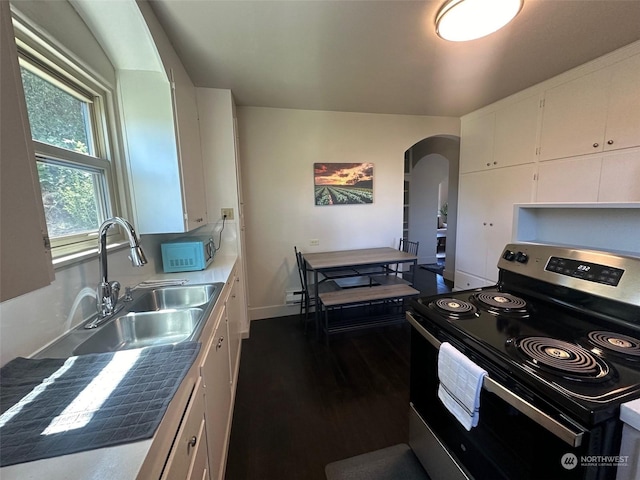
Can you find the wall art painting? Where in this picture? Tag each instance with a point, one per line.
(343, 183)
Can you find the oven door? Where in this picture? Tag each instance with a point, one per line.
(518, 436)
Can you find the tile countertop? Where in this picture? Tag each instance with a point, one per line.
(120, 461)
(630, 413)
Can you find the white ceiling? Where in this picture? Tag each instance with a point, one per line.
(383, 56)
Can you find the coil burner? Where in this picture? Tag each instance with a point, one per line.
(616, 342)
(501, 303)
(566, 359)
(454, 308)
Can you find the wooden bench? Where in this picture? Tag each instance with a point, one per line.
(349, 297)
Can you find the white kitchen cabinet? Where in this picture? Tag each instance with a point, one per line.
(188, 457)
(199, 469)
(610, 177)
(485, 217)
(162, 133)
(630, 443)
(501, 138)
(516, 127)
(623, 114)
(620, 177)
(476, 143)
(629, 448)
(597, 112)
(167, 185)
(25, 261)
(573, 118)
(464, 281)
(187, 127)
(234, 320)
(215, 372)
(572, 180)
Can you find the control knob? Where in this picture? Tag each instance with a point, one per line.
(522, 257)
(509, 255)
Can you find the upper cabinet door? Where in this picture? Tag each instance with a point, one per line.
(573, 121)
(516, 129)
(185, 110)
(476, 146)
(569, 180)
(25, 259)
(623, 115)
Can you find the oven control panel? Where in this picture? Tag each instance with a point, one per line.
(592, 272)
(610, 275)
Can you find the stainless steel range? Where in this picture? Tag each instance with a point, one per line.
(559, 337)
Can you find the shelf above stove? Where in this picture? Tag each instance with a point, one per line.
(599, 226)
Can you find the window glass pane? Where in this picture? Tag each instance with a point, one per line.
(55, 116)
(71, 198)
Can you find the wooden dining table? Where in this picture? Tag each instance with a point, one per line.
(323, 263)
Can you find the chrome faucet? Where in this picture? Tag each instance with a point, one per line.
(108, 291)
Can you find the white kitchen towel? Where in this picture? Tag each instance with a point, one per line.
(460, 385)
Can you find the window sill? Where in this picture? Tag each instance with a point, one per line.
(64, 261)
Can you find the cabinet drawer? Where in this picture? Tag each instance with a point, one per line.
(190, 436)
(464, 281)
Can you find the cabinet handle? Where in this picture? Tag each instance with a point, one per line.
(220, 343)
(495, 163)
(193, 441)
(491, 224)
(488, 164)
(609, 142)
(484, 223)
(596, 145)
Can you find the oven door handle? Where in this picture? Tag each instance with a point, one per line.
(534, 413)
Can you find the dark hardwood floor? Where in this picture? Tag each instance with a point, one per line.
(301, 404)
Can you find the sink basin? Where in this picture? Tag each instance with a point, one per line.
(175, 297)
(155, 316)
(144, 329)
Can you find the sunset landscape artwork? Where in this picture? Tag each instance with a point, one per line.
(343, 183)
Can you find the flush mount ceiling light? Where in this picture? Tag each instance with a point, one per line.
(462, 20)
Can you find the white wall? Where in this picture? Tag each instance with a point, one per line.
(278, 148)
(59, 21)
(31, 321)
(426, 176)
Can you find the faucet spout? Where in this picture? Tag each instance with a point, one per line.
(108, 291)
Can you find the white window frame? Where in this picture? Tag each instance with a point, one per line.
(58, 67)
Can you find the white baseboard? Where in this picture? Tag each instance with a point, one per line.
(260, 313)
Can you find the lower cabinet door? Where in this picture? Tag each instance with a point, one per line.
(215, 373)
(190, 440)
(200, 465)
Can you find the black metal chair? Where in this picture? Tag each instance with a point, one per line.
(308, 298)
(408, 247)
(303, 292)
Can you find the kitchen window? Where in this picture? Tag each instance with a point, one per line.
(68, 117)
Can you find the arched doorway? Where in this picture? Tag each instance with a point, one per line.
(431, 185)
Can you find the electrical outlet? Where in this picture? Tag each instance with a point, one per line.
(228, 212)
(314, 242)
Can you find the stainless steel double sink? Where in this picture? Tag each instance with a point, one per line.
(156, 316)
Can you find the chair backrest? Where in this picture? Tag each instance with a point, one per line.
(409, 247)
(301, 269)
